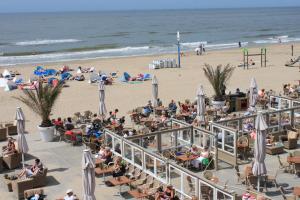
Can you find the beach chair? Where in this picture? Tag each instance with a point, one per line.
(286, 197)
(61, 133)
(149, 182)
(140, 181)
(3, 134)
(12, 130)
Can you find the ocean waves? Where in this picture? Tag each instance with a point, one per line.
(114, 50)
(45, 42)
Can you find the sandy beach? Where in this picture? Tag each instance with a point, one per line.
(174, 83)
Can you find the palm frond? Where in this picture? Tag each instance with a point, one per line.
(41, 100)
(218, 78)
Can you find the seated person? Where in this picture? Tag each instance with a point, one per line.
(58, 123)
(68, 124)
(119, 168)
(110, 117)
(172, 108)
(107, 157)
(146, 111)
(10, 148)
(159, 102)
(203, 155)
(163, 118)
(118, 148)
(183, 107)
(96, 119)
(122, 120)
(114, 114)
(35, 169)
(159, 194)
(101, 152)
(169, 193)
(226, 107)
(194, 150)
(70, 195)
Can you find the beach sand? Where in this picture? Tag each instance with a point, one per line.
(174, 83)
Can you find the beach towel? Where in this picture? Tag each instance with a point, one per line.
(18, 80)
(65, 76)
(146, 77)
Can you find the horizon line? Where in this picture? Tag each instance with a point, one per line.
(156, 9)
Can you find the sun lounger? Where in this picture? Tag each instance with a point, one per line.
(292, 63)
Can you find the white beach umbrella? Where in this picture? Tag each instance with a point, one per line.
(201, 104)
(154, 91)
(253, 94)
(88, 175)
(259, 166)
(102, 106)
(22, 143)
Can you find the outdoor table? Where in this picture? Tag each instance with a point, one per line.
(119, 181)
(293, 159)
(159, 110)
(103, 171)
(139, 195)
(297, 191)
(185, 159)
(273, 150)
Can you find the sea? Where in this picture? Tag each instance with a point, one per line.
(27, 38)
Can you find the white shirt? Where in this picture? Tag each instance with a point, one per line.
(70, 197)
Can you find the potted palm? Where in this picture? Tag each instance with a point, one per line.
(218, 78)
(41, 101)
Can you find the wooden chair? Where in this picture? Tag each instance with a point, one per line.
(241, 176)
(284, 165)
(272, 179)
(286, 197)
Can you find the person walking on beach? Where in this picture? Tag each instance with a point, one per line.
(240, 44)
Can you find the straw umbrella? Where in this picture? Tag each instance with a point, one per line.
(259, 166)
(154, 91)
(88, 175)
(201, 104)
(22, 143)
(102, 106)
(253, 94)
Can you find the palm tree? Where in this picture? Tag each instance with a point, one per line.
(218, 78)
(42, 100)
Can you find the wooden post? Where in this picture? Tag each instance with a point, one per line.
(247, 60)
(261, 58)
(265, 57)
(244, 59)
(292, 49)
